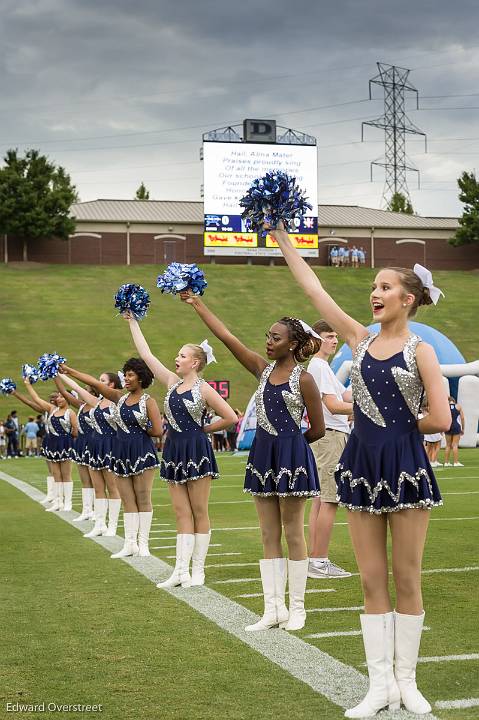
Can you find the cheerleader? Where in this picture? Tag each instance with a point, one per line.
(62, 429)
(281, 472)
(188, 463)
(80, 453)
(453, 433)
(384, 476)
(50, 496)
(132, 456)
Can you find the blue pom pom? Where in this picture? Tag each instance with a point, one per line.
(31, 372)
(48, 365)
(7, 386)
(182, 276)
(133, 298)
(272, 198)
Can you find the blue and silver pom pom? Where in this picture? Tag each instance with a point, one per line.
(273, 198)
(182, 276)
(31, 372)
(133, 298)
(7, 386)
(48, 365)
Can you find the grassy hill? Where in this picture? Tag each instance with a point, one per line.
(69, 309)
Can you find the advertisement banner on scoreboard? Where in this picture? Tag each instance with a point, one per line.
(229, 170)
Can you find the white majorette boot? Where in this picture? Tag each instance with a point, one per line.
(114, 507)
(145, 519)
(57, 503)
(202, 541)
(88, 496)
(378, 639)
(99, 528)
(67, 494)
(50, 496)
(181, 574)
(131, 523)
(297, 577)
(407, 638)
(273, 579)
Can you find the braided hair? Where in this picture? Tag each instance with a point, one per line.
(306, 344)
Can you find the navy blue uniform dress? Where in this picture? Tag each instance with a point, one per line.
(134, 450)
(44, 450)
(80, 451)
(187, 454)
(103, 438)
(455, 428)
(384, 466)
(280, 461)
(60, 440)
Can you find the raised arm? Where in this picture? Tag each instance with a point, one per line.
(220, 407)
(251, 360)
(66, 393)
(43, 404)
(351, 330)
(159, 370)
(26, 401)
(103, 389)
(84, 395)
(438, 418)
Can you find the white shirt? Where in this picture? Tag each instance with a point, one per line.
(328, 384)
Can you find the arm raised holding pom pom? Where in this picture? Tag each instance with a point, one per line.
(39, 402)
(159, 370)
(84, 397)
(107, 391)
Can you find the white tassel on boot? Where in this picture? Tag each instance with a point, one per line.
(297, 577)
(99, 528)
(67, 494)
(88, 496)
(378, 638)
(114, 507)
(131, 523)
(181, 574)
(202, 542)
(57, 503)
(273, 578)
(145, 519)
(407, 638)
(50, 496)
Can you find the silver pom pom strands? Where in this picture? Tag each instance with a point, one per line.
(30, 372)
(132, 298)
(273, 198)
(48, 365)
(7, 386)
(182, 276)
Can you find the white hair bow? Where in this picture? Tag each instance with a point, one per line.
(308, 329)
(208, 351)
(426, 278)
(121, 378)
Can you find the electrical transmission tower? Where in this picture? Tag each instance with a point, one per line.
(396, 126)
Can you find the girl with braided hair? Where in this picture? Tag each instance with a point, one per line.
(281, 472)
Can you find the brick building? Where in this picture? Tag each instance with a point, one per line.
(141, 232)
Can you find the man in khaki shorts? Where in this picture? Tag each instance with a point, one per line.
(337, 406)
(30, 430)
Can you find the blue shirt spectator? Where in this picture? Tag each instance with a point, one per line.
(31, 429)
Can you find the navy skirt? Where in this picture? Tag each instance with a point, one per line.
(187, 456)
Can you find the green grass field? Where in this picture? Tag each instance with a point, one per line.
(79, 627)
(70, 309)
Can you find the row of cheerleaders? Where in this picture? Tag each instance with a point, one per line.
(383, 473)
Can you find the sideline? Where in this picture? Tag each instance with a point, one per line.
(337, 682)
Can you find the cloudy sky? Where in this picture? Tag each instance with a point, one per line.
(120, 92)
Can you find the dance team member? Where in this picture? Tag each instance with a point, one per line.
(188, 463)
(337, 406)
(102, 446)
(281, 473)
(384, 476)
(80, 453)
(453, 433)
(133, 458)
(63, 428)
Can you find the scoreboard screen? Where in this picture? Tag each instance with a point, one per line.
(222, 387)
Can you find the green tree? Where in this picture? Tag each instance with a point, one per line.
(142, 193)
(468, 230)
(35, 198)
(400, 203)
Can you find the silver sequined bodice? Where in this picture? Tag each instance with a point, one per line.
(279, 408)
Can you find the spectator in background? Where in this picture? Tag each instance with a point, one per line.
(41, 431)
(340, 256)
(231, 436)
(346, 256)
(362, 256)
(355, 257)
(30, 431)
(3, 441)
(333, 256)
(12, 436)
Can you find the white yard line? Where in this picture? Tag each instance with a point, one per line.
(231, 565)
(448, 658)
(336, 681)
(339, 633)
(336, 609)
(469, 492)
(260, 595)
(457, 704)
(173, 547)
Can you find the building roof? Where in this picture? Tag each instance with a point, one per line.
(189, 211)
